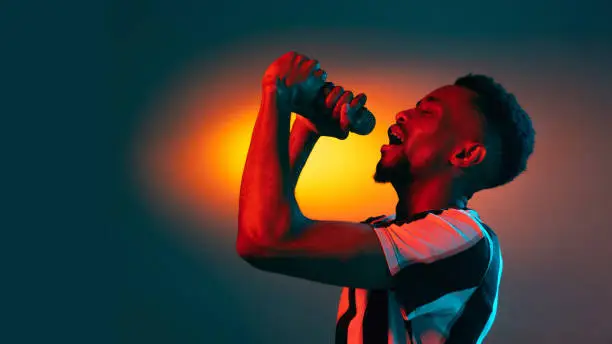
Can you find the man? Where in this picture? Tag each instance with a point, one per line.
(427, 274)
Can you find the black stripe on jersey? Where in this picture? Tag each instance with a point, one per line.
(375, 318)
(408, 326)
(479, 307)
(373, 219)
(430, 281)
(373, 325)
(345, 319)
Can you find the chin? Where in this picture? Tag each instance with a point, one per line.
(387, 174)
(379, 178)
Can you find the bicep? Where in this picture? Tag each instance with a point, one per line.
(339, 253)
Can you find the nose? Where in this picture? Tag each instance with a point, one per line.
(401, 117)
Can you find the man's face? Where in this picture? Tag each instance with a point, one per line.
(424, 138)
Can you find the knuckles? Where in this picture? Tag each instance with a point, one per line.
(295, 69)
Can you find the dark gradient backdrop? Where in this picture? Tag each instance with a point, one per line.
(188, 85)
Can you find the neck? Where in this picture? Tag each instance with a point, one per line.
(423, 195)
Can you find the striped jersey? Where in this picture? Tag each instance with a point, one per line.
(446, 267)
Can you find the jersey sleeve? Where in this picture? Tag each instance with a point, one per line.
(435, 237)
(435, 255)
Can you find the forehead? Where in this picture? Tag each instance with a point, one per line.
(453, 97)
(459, 108)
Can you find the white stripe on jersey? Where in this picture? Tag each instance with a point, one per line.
(411, 243)
(432, 238)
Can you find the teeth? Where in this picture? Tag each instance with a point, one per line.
(395, 135)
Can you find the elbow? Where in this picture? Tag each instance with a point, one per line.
(244, 248)
(257, 241)
(259, 255)
(248, 241)
(248, 250)
(253, 254)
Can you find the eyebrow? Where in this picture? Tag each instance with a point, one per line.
(427, 99)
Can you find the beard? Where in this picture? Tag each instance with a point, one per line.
(400, 172)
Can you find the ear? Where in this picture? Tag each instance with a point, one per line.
(470, 154)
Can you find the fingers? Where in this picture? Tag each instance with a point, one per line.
(307, 67)
(342, 111)
(316, 75)
(298, 59)
(343, 106)
(333, 96)
(288, 57)
(359, 101)
(343, 131)
(310, 66)
(345, 98)
(293, 59)
(355, 108)
(309, 75)
(300, 68)
(320, 74)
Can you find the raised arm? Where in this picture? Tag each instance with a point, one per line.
(273, 234)
(267, 207)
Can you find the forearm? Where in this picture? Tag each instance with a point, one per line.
(267, 198)
(301, 142)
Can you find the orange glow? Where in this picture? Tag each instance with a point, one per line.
(337, 174)
(199, 163)
(193, 151)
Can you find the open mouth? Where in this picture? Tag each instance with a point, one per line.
(396, 136)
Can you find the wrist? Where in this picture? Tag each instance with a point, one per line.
(272, 93)
(301, 142)
(305, 127)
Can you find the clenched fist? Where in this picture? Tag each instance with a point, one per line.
(296, 79)
(328, 110)
(337, 114)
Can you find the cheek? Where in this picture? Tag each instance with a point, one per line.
(424, 151)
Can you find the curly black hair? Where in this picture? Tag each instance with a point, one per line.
(508, 120)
